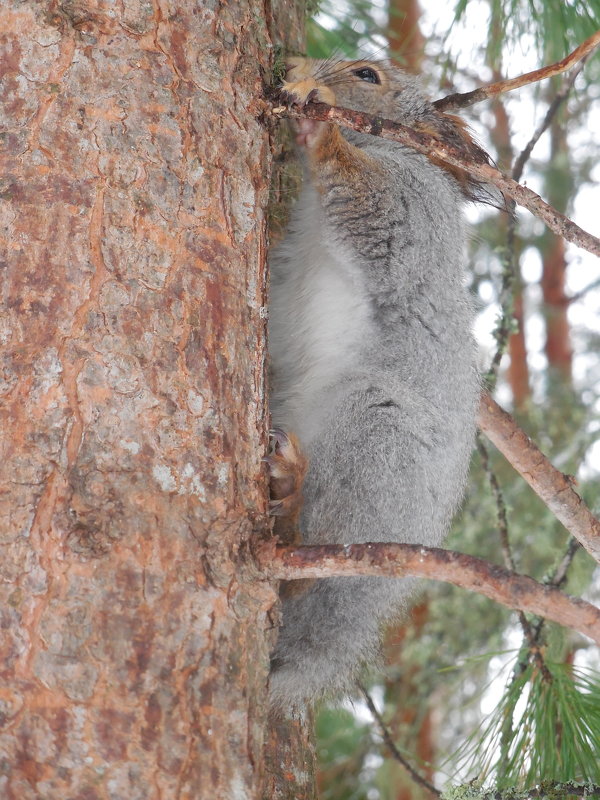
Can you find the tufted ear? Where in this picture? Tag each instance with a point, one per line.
(454, 131)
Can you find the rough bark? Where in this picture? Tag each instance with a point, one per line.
(134, 183)
(290, 758)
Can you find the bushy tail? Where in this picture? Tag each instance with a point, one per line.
(329, 633)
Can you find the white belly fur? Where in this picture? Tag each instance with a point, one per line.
(318, 321)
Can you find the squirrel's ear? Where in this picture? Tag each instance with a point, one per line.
(455, 131)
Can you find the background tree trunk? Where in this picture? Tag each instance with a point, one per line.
(404, 35)
(134, 185)
(556, 305)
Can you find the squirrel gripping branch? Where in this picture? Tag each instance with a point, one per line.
(374, 379)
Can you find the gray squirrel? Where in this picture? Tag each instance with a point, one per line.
(374, 379)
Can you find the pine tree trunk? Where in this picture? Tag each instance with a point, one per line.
(133, 191)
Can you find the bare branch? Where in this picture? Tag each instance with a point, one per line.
(278, 562)
(501, 516)
(432, 147)
(589, 288)
(387, 738)
(454, 101)
(551, 485)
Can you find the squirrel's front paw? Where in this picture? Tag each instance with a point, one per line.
(299, 93)
(300, 88)
(287, 468)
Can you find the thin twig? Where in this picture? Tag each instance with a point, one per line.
(557, 579)
(556, 103)
(387, 738)
(504, 326)
(551, 485)
(589, 288)
(560, 573)
(509, 562)
(278, 562)
(458, 100)
(433, 147)
(532, 632)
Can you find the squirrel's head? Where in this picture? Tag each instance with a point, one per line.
(375, 87)
(380, 88)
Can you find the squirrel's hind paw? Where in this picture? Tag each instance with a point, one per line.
(287, 468)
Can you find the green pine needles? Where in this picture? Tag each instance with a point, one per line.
(546, 728)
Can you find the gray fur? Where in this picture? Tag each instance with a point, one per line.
(373, 367)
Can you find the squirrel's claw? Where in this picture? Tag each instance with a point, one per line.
(299, 93)
(276, 508)
(279, 437)
(291, 97)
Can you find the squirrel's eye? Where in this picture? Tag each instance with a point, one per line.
(367, 74)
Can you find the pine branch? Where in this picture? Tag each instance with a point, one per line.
(552, 486)
(433, 147)
(546, 791)
(454, 101)
(278, 562)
